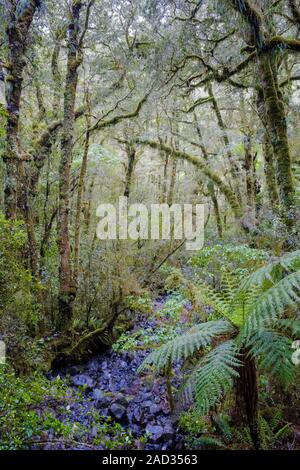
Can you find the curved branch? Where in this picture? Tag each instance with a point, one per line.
(202, 165)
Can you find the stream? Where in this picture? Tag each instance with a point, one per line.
(114, 389)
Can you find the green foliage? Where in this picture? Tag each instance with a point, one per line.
(224, 427)
(214, 376)
(172, 308)
(144, 338)
(20, 317)
(192, 422)
(20, 399)
(17, 287)
(248, 318)
(174, 280)
(274, 430)
(273, 351)
(184, 346)
(212, 259)
(25, 415)
(110, 434)
(203, 442)
(139, 303)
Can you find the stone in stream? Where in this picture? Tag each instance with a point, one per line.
(155, 432)
(83, 379)
(118, 412)
(120, 399)
(137, 415)
(102, 402)
(97, 394)
(73, 370)
(155, 409)
(159, 433)
(147, 404)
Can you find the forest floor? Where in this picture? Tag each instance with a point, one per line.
(107, 391)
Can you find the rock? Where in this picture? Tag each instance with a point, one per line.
(159, 433)
(82, 379)
(136, 430)
(123, 384)
(97, 394)
(155, 409)
(120, 399)
(93, 365)
(168, 433)
(118, 412)
(147, 404)
(74, 370)
(103, 402)
(155, 432)
(137, 415)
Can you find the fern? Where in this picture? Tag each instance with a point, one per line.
(224, 428)
(204, 442)
(251, 317)
(273, 431)
(287, 263)
(215, 375)
(290, 324)
(182, 347)
(273, 351)
(272, 303)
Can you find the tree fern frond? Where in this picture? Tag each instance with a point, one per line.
(288, 262)
(184, 346)
(271, 304)
(242, 304)
(289, 324)
(213, 298)
(204, 442)
(215, 374)
(273, 350)
(230, 284)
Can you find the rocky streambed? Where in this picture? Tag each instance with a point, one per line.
(109, 385)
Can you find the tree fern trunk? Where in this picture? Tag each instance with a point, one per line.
(247, 392)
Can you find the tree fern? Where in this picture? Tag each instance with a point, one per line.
(215, 374)
(273, 351)
(185, 346)
(251, 330)
(272, 302)
(269, 273)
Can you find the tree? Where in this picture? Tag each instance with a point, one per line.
(251, 329)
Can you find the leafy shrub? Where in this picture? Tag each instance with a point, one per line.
(20, 317)
(172, 308)
(145, 338)
(17, 287)
(174, 280)
(20, 399)
(141, 303)
(193, 423)
(212, 260)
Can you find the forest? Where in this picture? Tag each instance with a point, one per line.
(177, 333)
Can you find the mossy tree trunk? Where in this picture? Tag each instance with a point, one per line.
(67, 289)
(131, 160)
(233, 166)
(276, 125)
(16, 198)
(80, 191)
(210, 185)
